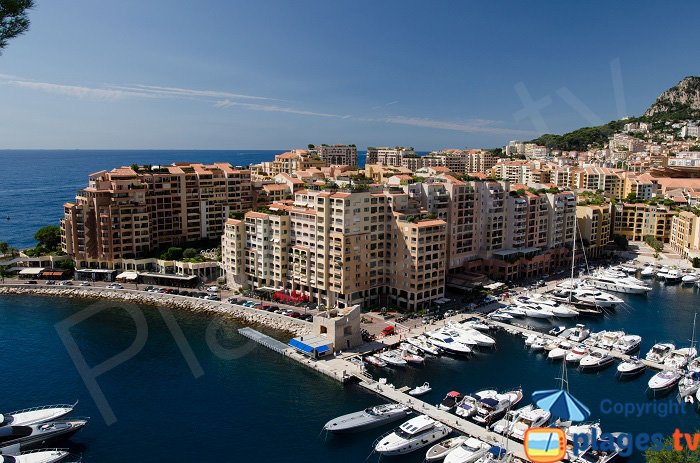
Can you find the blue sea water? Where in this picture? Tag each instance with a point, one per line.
(34, 184)
(255, 405)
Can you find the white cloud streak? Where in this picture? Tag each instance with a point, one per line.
(471, 126)
(274, 108)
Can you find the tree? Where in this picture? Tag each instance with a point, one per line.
(696, 262)
(631, 197)
(173, 253)
(189, 253)
(4, 247)
(621, 241)
(13, 19)
(49, 238)
(668, 454)
(310, 146)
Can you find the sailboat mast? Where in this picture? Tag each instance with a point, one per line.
(573, 260)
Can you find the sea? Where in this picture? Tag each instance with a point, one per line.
(195, 390)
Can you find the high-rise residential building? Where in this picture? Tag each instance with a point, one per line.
(338, 155)
(341, 248)
(388, 156)
(685, 235)
(634, 221)
(126, 213)
(594, 227)
(287, 163)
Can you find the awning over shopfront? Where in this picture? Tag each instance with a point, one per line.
(128, 276)
(32, 271)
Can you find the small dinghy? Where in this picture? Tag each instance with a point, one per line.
(420, 390)
(439, 451)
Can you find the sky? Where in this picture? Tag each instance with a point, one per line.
(269, 74)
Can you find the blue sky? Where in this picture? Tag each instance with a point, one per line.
(281, 74)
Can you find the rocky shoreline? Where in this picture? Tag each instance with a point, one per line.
(244, 315)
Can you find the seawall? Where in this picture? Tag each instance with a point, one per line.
(246, 315)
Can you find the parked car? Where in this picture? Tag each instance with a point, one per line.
(50, 282)
(66, 283)
(31, 282)
(232, 300)
(84, 283)
(388, 331)
(295, 315)
(148, 288)
(213, 289)
(115, 286)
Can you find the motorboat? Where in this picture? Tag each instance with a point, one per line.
(619, 284)
(468, 452)
(504, 425)
(460, 336)
(579, 333)
(559, 352)
(628, 269)
(659, 352)
(552, 344)
(368, 418)
(468, 405)
(412, 435)
(673, 276)
(393, 358)
(557, 330)
(501, 316)
(440, 450)
(557, 308)
(608, 339)
(375, 361)
(33, 436)
(534, 418)
(420, 390)
(679, 358)
(421, 342)
(492, 408)
(576, 354)
(476, 325)
(538, 344)
(495, 454)
(631, 367)
(449, 345)
(450, 401)
(35, 415)
(472, 334)
(689, 385)
(694, 365)
(533, 310)
(593, 339)
(513, 311)
(530, 338)
(662, 272)
(664, 380)
(596, 360)
(690, 278)
(411, 357)
(592, 295)
(605, 449)
(36, 456)
(628, 343)
(647, 272)
(578, 431)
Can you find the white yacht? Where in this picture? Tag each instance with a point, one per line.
(412, 435)
(664, 380)
(662, 272)
(694, 365)
(513, 311)
(628, 343)
(648, 271)
(619, 284)
(440, 450)
(471, 450)
(446, 343)
(36, 456)
(535, 418)
(450, 401)
(538, 344)
(421, 342)
(559, 352)
(689, 385)
(631, 367)
(492, 408)
(368, 418)
(673, 276)
(393, 358)
(579, 333)
(472, 334)
(468, 405)
(35, 415)
(690, 278)
(459, 336)
(501, 316)
(576, 354)
(593, 296)
(659, 352)
(597, 359)
(679, 358)
(557, 308)
(608, 339)
(504, 425)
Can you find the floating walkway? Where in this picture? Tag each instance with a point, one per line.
(263, 339)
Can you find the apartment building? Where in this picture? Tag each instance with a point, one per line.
(513, 171)
(341, 248)
(287, 163)
(338, 155)
(594, 227)
(416, 162)
(125, 213)
(388, 156)
(637, 220)
(685, 235)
